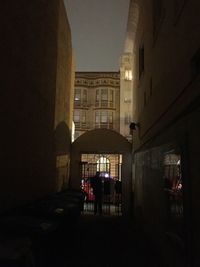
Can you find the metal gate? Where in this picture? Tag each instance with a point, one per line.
(111, 188)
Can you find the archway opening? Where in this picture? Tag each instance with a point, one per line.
(109, 168)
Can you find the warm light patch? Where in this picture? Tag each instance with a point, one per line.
(128, 75)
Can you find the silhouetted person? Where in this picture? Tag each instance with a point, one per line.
(118, 192)
(96, 183)
(118, 187)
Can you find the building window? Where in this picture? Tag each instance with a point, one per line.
(104, 117)
(103, 164)
(76, 116)
(111, 98)
(128, 75)
(77, 96)
(83, 116)
(141, 60)
(104, 98)
(97, 117)
(104, 94)
(173, 189)
(85, 95)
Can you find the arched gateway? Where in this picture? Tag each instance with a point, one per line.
(103, 141)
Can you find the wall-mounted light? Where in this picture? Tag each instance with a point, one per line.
(133, 125)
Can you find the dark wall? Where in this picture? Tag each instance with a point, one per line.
(29, 59)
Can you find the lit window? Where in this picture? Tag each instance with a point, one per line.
(103, 164)
(128, 75)
(77, 95)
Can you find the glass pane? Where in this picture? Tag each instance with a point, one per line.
(104, 94)
(104, 116)
(76, 116)
(77, 94)
(84, 95)
(83, 116)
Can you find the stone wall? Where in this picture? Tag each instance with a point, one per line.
(164, 88)
(64, 98)
(29, 47)
(167, 98)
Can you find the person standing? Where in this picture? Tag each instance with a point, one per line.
(96, 183)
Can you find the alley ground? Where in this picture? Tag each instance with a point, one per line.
(101, 241)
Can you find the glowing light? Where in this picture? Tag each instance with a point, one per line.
(73, 132)
(128, 75)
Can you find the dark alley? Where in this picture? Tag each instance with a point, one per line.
(106, 241)
(99, 140)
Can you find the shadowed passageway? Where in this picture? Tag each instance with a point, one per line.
(57, 119)
(106, 241)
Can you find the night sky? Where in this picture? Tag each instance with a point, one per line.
(98, 32)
